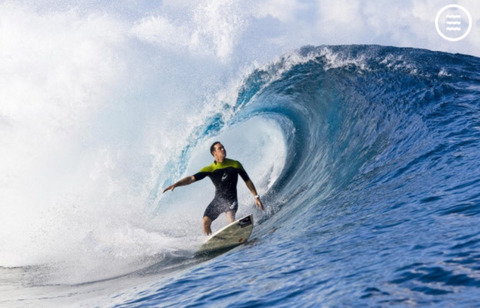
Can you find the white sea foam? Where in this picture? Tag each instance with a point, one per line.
(92, 109)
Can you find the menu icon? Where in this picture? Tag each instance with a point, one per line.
(453, 22)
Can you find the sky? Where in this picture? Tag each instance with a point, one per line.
(267, 27)
(221, 27)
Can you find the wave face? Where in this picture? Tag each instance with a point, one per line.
(367, 161)
(378, 199)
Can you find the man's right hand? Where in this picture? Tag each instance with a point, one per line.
(185, 181)
(171, 187)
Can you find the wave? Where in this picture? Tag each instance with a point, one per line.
(378, 186)
(378, 191)
(350, 111)
(345, 113)
(324, 132)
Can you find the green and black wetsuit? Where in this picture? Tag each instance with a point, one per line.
(225, 177)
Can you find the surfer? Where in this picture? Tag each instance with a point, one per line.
(224, 174)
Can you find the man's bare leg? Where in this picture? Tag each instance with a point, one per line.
(207, 222)
(230, 216)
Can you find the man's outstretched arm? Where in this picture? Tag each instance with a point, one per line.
(185, 181)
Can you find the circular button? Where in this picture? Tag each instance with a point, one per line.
(453, 22)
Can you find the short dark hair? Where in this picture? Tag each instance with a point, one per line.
(212, 147)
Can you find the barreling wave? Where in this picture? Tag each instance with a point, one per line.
(351, 112)
(379, 187)
(380, 175)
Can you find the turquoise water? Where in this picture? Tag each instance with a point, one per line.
(378, 201)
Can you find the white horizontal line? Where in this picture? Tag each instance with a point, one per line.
(454, 29)
(454, 16)
(454, 22)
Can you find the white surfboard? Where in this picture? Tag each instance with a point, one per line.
(228, 237)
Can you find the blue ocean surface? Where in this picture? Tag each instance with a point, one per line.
(377, 202)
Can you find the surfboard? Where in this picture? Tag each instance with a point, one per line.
(228, 237)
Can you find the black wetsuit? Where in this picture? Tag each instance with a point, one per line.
(225, 177)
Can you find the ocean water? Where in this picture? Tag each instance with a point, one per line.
(366, 158)
(377, 201)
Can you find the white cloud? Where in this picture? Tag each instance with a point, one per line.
(339, 12)
(283, 10)
(211, 28)
(218, 28)
(161, 31)
(403, 24)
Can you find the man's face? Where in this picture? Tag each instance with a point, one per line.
(219, 153)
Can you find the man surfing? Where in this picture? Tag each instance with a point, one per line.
(224, 175)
